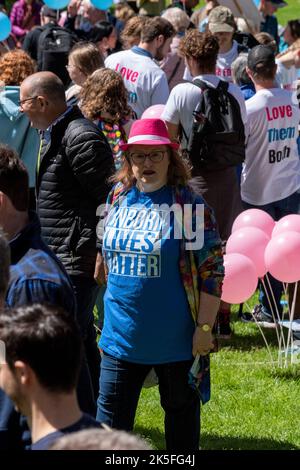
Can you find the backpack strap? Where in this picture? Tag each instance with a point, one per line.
(203, 86)
(223, 88)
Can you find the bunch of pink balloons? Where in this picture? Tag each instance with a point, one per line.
(282, 255)
(256, 246)
(245, 255)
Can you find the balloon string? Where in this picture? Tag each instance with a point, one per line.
(290, 338)
(280, 338)
(261, 332)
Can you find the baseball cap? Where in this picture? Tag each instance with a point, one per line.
(261, 56)
(46, 11)
(221, 20)
(279, 3)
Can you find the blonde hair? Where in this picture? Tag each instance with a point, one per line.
(267, 40)
(124, 12)
(178, 18)
(86, 57)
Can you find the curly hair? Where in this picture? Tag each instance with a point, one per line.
(104, 90)
(15, 66)
(202, 47)
(179, 171)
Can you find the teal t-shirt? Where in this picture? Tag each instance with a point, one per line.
(147, 318)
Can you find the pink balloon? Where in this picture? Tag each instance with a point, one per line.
(254, 218)
(289, 223)
(153, 112)
(240, 279)
(282, 257)
(250, 242)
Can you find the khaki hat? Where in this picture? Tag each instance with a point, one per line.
(221, 20)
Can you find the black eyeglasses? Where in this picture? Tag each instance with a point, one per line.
(140, 157)
(20, 102)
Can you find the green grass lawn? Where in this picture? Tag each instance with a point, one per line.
(291, 12)
(253, 405)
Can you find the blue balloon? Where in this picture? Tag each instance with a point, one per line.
(5, 26)
(102, 4)
(56, 4)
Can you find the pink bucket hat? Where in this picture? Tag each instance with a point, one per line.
(148, 132)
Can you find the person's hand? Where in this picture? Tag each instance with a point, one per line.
(100, 274)
(73, 8)
(202, 342)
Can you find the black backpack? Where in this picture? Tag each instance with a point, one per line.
(217, 140)
(54, 45)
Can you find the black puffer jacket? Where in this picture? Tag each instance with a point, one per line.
(72, 182)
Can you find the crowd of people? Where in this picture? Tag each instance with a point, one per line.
(103, 209)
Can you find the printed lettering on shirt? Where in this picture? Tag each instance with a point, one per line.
(276, 156)
(127, 73)
(132, 97)
(281, 134)
(279, 112)
(132, 241)
(223, 72)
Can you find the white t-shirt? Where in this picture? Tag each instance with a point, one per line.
(224, 62)
(146, 83)
(185, 97)
(286, 77)
(271, 171)
(223, 67)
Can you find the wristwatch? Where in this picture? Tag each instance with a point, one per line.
(204, 327)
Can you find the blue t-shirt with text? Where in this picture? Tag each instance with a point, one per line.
(147, 318)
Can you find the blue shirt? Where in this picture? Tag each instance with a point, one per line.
(36, 276)
(269, 25)
(147, 318)
(84, 422)
(248, 91)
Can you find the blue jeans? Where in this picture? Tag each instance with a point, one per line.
(120, 386)
(86, 291)
(277, 210)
